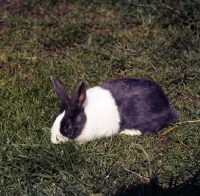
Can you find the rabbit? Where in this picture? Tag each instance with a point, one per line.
(131, 106)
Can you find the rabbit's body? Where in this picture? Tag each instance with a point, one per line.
(130, 106)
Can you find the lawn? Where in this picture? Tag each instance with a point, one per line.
(96, 41)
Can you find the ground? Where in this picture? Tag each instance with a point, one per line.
(96, 41)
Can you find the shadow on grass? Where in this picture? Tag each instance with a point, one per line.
(190, 187)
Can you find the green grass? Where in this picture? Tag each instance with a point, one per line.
(96, 41)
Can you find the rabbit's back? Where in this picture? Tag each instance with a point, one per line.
(142, 104)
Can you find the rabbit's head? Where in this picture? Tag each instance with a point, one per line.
(70, 119)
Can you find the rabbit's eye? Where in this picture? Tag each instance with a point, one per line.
(66, 127)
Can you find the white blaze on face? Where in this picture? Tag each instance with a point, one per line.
(56, 136)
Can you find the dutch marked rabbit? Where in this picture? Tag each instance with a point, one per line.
(130, 106)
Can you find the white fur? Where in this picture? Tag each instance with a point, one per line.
(56, 136)
(102, 115)
(131, 132)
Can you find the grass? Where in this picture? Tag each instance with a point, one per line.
(96, 41)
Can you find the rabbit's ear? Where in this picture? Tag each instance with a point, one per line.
(79, 94)
(60, 91)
